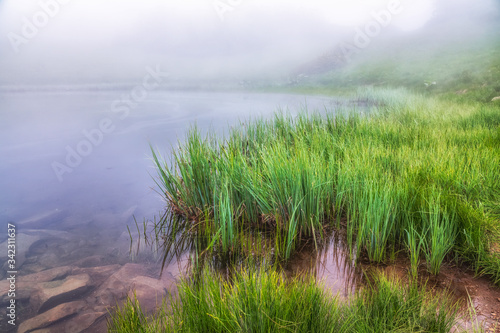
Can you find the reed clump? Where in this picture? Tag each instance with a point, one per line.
(407, 173)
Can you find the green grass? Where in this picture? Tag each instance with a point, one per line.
(415, 244)
(440, 234)
(264, 301)
(407, 163)
(412, 172)
(132, 318)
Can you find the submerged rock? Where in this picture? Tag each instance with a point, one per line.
(28, 244)
(52, 274)
(51, 294)
(42, 220)
(116, 287)
(97, 274)
(78, 299)
(23, 244)
(23, 291)
(92, 261)
(150, 292)
(134, 277)
(80, 323)
(29, 284)
(50, 259)
(50, 234)
(52, 316)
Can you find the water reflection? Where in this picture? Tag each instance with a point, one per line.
(329, 261)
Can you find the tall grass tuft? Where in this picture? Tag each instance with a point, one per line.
(440, 231)
(415, 244)
(386, 307)
(131, 318)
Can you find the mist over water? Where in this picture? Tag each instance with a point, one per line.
(87, 85)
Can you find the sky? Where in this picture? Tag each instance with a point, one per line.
(74, 41)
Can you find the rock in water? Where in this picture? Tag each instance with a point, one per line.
(84, 322)
(132, 277)
(53, 315)
(24, 242)
(150, 292)
(54, 293)
(28, 284)
(42, 220)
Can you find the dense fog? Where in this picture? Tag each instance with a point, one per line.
(113, 41)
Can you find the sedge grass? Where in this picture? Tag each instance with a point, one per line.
(441, 235)
(415, 244)
(412, 163)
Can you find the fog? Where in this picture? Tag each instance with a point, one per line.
(113, 41)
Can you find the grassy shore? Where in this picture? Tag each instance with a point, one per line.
(404, 174)
(263, 301)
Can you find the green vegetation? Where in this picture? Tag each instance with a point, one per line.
(266, 302)
(410, 167)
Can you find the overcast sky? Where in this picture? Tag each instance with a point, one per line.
(65, 41)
